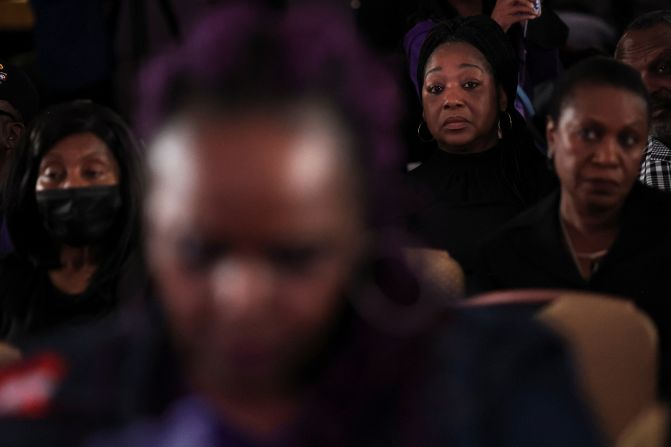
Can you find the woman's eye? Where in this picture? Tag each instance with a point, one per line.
(52, 174)
(589, 134)
(93, 173)
(198, 255)
(470, 85)
(628, 140)
(663, 68)
(434, 89)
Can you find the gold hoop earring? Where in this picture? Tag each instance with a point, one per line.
(419, 134)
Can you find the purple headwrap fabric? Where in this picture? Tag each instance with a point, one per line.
(412, 44)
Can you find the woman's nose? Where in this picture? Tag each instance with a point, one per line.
(452, 98)
(74, 180)
(607, 152)
(241, 287)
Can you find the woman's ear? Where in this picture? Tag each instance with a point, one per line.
(503, 100)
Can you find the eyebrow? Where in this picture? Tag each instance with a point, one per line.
(664, 55)
(439, 68)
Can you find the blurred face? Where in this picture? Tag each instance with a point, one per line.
(597, 145)
(254, 231)
(77, 161)
(649, 52)
(460, 99)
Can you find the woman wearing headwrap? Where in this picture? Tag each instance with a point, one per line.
(484, 168)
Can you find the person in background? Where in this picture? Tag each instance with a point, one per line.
(483, 169)
(602, 231)
(287, 314)
(18, 104)
(646, 46)
(72, 204)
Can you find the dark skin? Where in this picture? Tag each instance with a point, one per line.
(11, 129)
(597, 144)
(77, 161)
(649, 52)
(253, 236)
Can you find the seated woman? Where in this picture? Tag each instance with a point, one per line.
(602, 230)
(484, 169)
(72, 204)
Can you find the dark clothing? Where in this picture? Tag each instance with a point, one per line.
(31, 306)
(460, 200)
(476, 381)
(530, 253)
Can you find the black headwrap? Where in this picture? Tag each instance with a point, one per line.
(484, 34)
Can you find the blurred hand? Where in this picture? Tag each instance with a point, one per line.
(509, 12)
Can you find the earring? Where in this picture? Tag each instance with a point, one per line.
(510, 125)
(422, 138)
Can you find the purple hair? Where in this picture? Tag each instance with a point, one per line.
(245, 56)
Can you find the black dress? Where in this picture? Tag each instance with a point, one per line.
(461, 200)
(529, 252)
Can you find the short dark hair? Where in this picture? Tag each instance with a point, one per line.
(30, 239)
(643, 22)
(596, 71)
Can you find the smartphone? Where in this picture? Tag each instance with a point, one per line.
(537, 7)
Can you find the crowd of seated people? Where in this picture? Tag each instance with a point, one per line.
(258, 267)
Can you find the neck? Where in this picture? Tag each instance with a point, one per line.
(75, 258)
(473, 147)
(76, 269)
(586, 221)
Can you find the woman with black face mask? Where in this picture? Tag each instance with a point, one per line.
(72, 206)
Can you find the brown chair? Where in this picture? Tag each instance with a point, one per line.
(438, 271)
(517, 296)
(615, 350)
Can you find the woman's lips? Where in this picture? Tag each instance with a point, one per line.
(603, 184)
(455, 123)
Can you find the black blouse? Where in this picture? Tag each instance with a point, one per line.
(461, 200)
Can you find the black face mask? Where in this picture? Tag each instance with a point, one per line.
(79, 216)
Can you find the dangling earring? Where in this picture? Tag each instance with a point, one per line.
(423, 139)
(510, 125)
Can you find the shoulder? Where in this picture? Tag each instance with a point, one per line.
(519, 226)
(647, 200)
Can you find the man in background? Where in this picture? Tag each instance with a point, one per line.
(646, 46)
